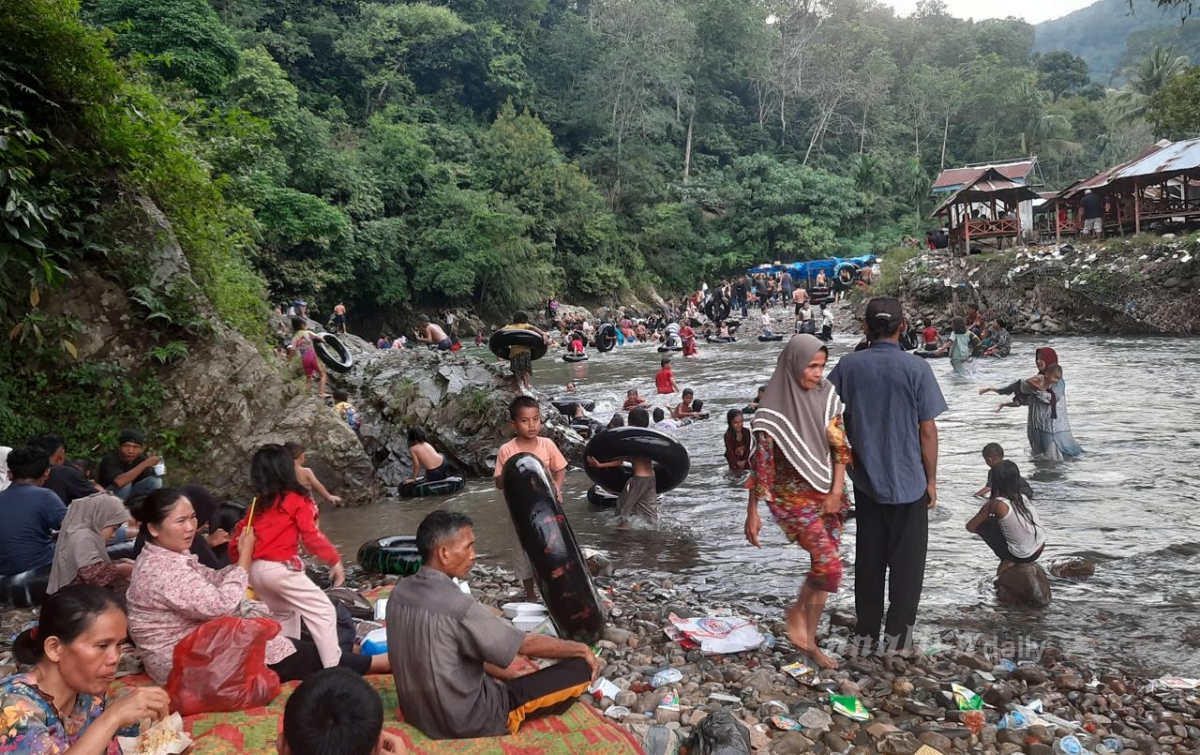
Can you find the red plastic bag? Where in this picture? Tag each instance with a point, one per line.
(221, 666)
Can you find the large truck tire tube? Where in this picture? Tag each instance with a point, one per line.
(420, 488)
(669, 456)
(566, 404)
(606, 336)
(601, 498)
(572, 357)
(333, 353)
(546, 537)
(505, 338)
(390, 555)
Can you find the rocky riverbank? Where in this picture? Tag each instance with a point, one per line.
(1142, 285)
(1032, 698)
(910, 699)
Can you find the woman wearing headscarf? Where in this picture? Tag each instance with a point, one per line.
(798, 467)
(1048, 428)
(80, 557)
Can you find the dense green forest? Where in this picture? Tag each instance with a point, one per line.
(1114, 35)
(488, 153)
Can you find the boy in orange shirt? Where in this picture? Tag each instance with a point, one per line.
(527, 422)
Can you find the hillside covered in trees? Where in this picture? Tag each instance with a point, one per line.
(1114, 35)
(488, 153)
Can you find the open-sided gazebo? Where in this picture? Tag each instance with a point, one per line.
(984, 209)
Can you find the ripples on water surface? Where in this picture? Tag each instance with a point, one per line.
(1129, 503)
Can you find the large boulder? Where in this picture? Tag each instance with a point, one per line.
(459, 401)
(1024, 585)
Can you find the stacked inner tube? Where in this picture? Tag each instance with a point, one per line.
(774, 337)
(606, 337)
(668, 455)
(505, 338)
(333, 353)
(420, 487)
(566, 404)
(571, 356)
(717, 309)
(558, 564)
(601, 498)
(390, 555)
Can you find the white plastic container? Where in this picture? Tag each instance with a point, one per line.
(381, 609)
(524, 610)
(375, 643)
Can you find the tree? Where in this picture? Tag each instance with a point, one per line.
(1146, 79)
(184, 38)
(1060, 72)
(1174, 110)
(382, 40)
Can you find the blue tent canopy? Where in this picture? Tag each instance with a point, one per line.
(805, 270)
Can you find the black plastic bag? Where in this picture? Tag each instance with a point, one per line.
(719, 734)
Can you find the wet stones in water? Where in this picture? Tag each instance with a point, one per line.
(1024, 585)
(1074, 568)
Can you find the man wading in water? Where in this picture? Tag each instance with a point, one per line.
(892, 400)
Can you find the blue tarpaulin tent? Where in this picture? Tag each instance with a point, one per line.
(809, 269)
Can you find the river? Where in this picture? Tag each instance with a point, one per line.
(1130, 503)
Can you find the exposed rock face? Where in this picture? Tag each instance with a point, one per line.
(1024, 585)
(459, 401)
(1114, 287)
(226, 395)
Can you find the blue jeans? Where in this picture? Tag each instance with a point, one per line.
(147, 485)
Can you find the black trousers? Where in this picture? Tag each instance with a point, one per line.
(306, 661)
(889, 550)
(547, 692)
(994, 537)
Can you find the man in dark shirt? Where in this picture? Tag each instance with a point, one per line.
(67, 482)
(31, 514)
(450, 656)
(892, 400)
(128, 471)
(1093, 214)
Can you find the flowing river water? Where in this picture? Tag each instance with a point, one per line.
(1129, 504)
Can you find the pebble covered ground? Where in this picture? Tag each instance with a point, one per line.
(909, 697)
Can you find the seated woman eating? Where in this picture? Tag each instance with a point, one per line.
(171, 593)
(59, 706)
(80, 557)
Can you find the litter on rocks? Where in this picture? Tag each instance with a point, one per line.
(719, 635)
(850, 707)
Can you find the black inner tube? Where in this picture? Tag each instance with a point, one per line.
(669, 456)
(566, 404)
(390, 555)
(606, 336)
(570, 357)
(546, 537)
(504, 339)
(333, 353)
(775, 337)
(601, 498)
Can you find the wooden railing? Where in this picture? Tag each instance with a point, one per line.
(985, 227)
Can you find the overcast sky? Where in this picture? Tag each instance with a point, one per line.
(1032, 11)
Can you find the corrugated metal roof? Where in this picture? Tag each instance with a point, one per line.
(1171, 159)
(952, 177)
(991, 184)
(1104, 177)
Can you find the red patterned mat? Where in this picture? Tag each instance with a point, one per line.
(582, 730)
